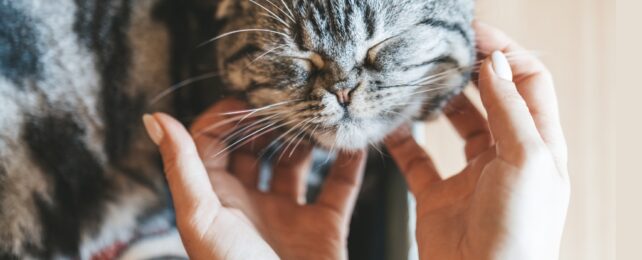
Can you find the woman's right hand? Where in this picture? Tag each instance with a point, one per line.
(510, 202)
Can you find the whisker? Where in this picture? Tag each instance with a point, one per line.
(225, 122)
(301, 134)
(182, 84)
(253, 135)
(266, 53)
(241, 31)
(280, 9)
(290, 11)
(271, 13)
(292, 139)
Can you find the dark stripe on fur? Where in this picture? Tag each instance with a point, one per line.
(370, 21)
(19, 52)
(438, 60)
(243, 53)
(102, 26)
(80, 187)
(453, 27)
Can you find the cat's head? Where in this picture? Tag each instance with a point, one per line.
(346, 72)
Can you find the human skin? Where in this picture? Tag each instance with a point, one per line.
(221, 213)
(511, 199)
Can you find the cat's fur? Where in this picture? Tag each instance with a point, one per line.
(381, 52)
(77, 172)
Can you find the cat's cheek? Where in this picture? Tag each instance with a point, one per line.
(237, 80)
(265, 97)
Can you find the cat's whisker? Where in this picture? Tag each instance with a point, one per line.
(303, 131)
(289, 143)
(275, 114)
(334, 143)
(258, 109)
(289, 10)
(314, 131)
(285, 134)
(427, 91)
(376, 147)
(401, 96)
(182, 84)
(281, 9)
(239, 119)
(242, 141)
(242, 31)
(266, 53)
(272, 14)
(250, 127)
(276, 141)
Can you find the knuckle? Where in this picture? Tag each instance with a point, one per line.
(416, 162)
(531, 152)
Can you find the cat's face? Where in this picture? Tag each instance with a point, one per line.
(345, 73)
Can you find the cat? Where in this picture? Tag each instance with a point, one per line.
(345, 72)
(78, 176)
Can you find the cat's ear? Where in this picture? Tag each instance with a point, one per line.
(227, 8)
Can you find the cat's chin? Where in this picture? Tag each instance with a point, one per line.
(352, 137)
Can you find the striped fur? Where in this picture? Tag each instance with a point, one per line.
(378, 51)
(77, 172)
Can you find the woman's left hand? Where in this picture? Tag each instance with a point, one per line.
(221, 213)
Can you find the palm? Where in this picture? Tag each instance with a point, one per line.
(293, 230)
(466, 217)
(510, 200)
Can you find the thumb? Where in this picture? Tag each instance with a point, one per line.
(187, 178)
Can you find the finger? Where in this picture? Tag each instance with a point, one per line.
(470, 124)
(188, 181)
(342, 185)
(246, 167)
(510, 121)
(416, 166)
(457, 188)
(534, 83)
(290, 174)
(225, 109)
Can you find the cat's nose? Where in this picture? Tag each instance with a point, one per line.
(343, 96)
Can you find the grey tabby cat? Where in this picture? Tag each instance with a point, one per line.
(346, 72)
(78, 176)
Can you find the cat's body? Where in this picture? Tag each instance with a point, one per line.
(77, 172)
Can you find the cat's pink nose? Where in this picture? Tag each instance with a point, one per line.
(343, 96)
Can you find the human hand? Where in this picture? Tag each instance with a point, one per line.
(510, 201)
(220, 212)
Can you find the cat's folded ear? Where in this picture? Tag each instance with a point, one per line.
(227, 8)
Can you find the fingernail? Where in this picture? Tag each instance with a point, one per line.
(501, 66)
(154, 130)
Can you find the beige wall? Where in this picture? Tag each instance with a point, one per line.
(576, 39)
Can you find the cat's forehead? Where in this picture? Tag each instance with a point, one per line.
(344, 26)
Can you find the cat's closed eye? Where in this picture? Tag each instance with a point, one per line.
(346, 73)
(317, 61)
(371, 56)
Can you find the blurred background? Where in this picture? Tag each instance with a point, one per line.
(576, 39)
